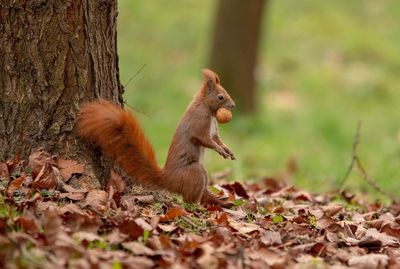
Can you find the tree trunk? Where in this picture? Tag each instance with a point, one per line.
(235, 46)
(54, 55)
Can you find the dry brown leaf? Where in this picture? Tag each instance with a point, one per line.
(86, 236)
(237, 188)
(386, 240)
(138, 248)
(332, 209)
(270, 238)
(75, 196)
(325, 223)
(315, 249)
(115, 237)
(15, 185)
(98, 200)
(269, 257)
(370, 261)
(144, 224)
(117, 181)
(45, 179)
(38, 159)
(243, 227)
(392, 229)
(28, 223)
(129, 204)
(173, 213)
(302, 196)
(71, 208)
(69, 167)
(167, 227)
(223, 219)
(236, 214)
(138, 262)
(130, 228)
(207, 259)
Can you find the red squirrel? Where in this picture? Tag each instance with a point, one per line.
(118, 133)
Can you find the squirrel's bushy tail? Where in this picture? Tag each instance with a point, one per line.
(120, 136)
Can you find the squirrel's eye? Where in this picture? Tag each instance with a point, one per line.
(220, 97)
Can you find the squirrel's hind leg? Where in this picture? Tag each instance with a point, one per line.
(190, 182)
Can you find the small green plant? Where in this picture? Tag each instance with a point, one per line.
(239, 202)
(312, 220)
(277, 219)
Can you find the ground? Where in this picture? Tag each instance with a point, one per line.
(46, 223)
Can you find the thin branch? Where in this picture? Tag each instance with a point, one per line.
(126, 85)
(355, 162)
(135, 75)
(135, 109)
(356, 142)
(363, 173)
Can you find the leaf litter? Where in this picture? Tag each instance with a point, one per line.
(45, 223)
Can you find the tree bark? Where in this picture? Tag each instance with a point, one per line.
(54, 55)
(235, 47)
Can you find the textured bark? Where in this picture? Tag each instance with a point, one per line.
(235, 47)
(54, 55)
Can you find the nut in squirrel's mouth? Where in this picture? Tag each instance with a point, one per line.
(223, 115)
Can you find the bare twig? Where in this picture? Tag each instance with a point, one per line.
(135, 75)
(135, 109)
(363, 173)
(126, 85)
(355, 162)
(356, 142)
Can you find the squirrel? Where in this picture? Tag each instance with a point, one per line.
(118, 133)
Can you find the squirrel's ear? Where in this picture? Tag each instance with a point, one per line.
(210, 80)
(210, 75)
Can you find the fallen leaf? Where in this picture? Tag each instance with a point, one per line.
(38, 159)
(69, 167)
(167, 227)
(173, 213)
(271, 258)
(45, 179)
(331, 209)
(28, 223)
(369, 261)
(86, 236)
(14, 163)
(138, 248)
(15, 185)
(207, 258)
(98, 200)
(117, 181)
(237, 188)
(386, 240)
(270, 238)
(236, 214)
(131, 228)
(115, 237)
(76, 196)
(242, 227)
(142, 223)
(302, 196)
(223, 219)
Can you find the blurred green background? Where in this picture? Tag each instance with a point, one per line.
(323, 66)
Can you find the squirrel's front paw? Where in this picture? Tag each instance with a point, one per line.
(221, 151)
(231, 156)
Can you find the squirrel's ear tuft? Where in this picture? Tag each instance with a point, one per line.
(210, 76)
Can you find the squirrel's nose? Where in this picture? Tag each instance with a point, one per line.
(232, 105)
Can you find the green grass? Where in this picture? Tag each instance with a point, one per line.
(323, 66)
